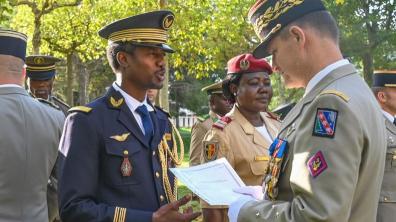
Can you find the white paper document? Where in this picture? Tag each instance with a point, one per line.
(212, 181)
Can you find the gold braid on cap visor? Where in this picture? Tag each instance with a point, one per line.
(148, 35)
(13, 34)
(40, 68)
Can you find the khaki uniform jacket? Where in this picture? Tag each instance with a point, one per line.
(198, 131)
(243, 146)
(29, 136)
(348, 188)
(387, 205)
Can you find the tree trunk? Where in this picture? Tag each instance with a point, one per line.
(69, 73)
(83, 76)
(368, 67)
(163, 93)
(36, 41)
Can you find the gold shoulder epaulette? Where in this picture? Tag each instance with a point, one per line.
(337, 93)
(84, 109)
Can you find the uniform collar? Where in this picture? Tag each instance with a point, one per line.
(323, 73)
(214, 116)
(388, 116)
(131, 102)
(10, 85)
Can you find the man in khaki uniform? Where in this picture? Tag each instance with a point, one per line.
(218, 107)
(328, 159)
(384, 88)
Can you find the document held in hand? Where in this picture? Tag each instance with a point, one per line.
(213, 181)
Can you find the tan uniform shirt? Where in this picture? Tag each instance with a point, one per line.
(387, 205)
(242, 145)
(198, 131)
(346, 166)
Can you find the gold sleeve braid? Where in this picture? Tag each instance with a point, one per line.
(119, 214)
(164, 152)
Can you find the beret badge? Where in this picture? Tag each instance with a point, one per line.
(244, 64)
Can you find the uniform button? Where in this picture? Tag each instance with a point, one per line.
(126, 152)
(385, 199)
(257, 214)
(153, 153)
(162, 198)
(157, 174)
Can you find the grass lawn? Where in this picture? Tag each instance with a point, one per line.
(183, 190)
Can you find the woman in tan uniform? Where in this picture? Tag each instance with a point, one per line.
(244, 135)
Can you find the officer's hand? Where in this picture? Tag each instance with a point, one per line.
(170, 212)
(254, 191)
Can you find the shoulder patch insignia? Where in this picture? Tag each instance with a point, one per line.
(325, 123)
(273, 116)
(337, 93)
(116, 103)
(317, 164)
(200, 119)
(211, 150)
(221, 123)
(84, 109)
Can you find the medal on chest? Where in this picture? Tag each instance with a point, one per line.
(277, 153)
(126, 167)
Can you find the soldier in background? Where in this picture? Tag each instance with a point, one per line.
(384, 88)
(41, 72)
(218, 107)
(29, 136)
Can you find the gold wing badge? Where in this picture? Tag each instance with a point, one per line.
(116, 103)
(120, 138)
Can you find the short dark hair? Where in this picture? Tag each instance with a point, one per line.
(322, 21)
(116, 47)
(376, 90)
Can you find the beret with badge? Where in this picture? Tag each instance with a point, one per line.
(384, 78)
(13, 43)
(148, 29)
(242, 64)
(41, 67)
(268, 17)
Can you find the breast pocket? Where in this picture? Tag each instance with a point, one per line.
(115, 153)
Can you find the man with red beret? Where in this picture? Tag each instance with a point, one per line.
(328, 158)
(243, 135)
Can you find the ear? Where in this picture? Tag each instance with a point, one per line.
(122, 59)
(381, 97)
(297, 34)
(233, 88)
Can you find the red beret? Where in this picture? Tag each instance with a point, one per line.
(246, 63)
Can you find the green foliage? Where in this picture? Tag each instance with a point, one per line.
(6, 12)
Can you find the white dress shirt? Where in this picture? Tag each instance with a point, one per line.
(323, 73)
(10, 85)
(388, 116)
(264, 132)
(133, 104)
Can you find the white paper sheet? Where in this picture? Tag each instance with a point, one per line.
(212, 181)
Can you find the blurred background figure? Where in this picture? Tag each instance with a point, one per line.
(218, 107)
(384, 88)
(41, 71)
(29, 136)
(152, 95)
(244, 135)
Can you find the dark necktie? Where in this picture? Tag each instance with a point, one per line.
(394, 121)
(146, 120)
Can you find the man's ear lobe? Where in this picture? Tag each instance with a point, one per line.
(297, 33)
(122, 59)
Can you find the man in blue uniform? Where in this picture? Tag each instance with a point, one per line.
(115, 151)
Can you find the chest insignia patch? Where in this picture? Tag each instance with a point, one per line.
(317, 164)
(211, 150)
(120, 138)
(126, 166)
(325, 123)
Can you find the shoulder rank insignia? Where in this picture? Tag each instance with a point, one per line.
(120, 138)
(337, 93)
(317, 164)
(200, 119)
(211, 150)
(273, 116)
(116, 103)
(325, 123)
(221, 123)
(84, 109)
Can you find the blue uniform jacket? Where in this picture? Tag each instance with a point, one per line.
(92, 187)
